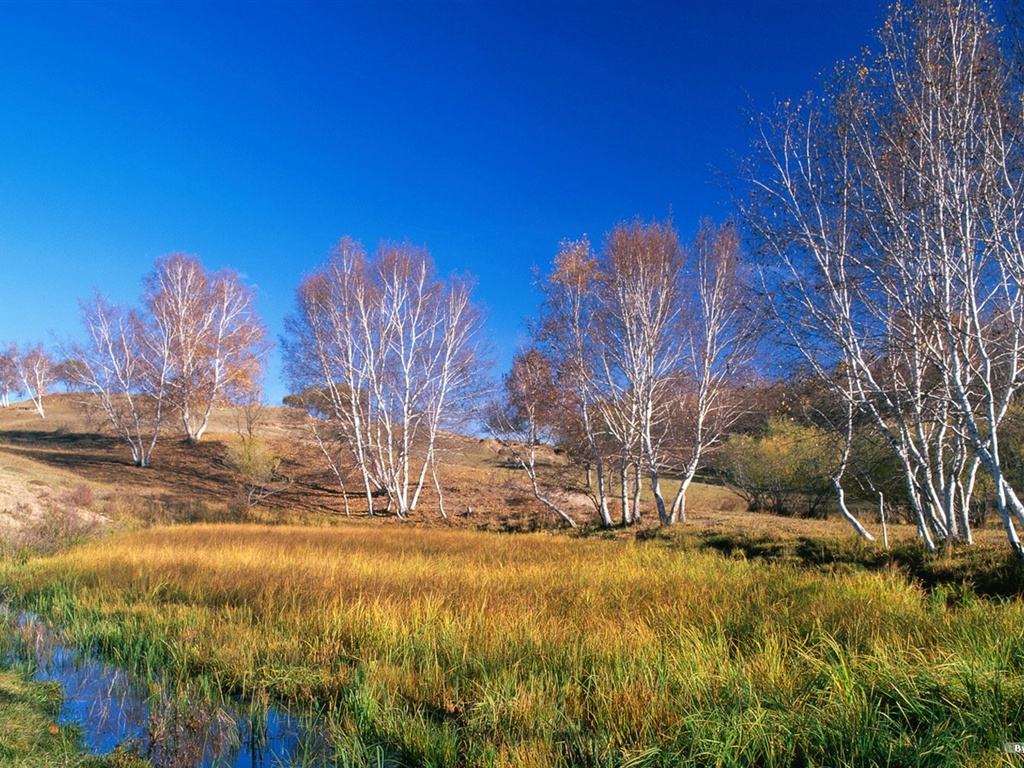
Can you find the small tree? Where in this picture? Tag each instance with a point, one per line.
(787, 470)
(71, 373)
(257, 470)
(36, 371)
(527, 417)
(8, 373)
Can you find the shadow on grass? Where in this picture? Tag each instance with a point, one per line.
(983, 570)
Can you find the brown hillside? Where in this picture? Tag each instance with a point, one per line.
(74, 452)
(73, 463)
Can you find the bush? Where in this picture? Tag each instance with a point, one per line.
(257, 470)
(787, 470)
(55, 529)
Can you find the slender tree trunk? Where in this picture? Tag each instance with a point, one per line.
(881, 517)
(602, 494)
(845, 512)
(678, 512)
(37, 401)
(528, 463)
(837, 476)
(624, 491)
(638, 484)
(369, 494)
(440, 492)
(204, 422)
(427, 462)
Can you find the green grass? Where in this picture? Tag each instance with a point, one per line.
(30, 736)
(466, 649)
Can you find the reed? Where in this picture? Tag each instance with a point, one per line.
(455, 648)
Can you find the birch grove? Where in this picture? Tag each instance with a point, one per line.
(889, 212)
(648, 339)
(195, 342)
(389, 356)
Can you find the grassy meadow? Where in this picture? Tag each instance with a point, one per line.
(735, 639)
(457, 648)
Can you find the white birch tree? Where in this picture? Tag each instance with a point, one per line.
(890, 212)
(36, 373)
(641, 301)
(215, 339)
(125, 364)
(717, 339)
(565, 335)
(392, 353)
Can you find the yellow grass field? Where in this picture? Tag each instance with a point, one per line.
(735, 639)
(466, 648)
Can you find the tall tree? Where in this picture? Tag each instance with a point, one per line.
(889, 213)
(392, 355)
(125, 364)
(641, 300)
(216, 341)
(717, 338)
(564, 333)
(196, 342)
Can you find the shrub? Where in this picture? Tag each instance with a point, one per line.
(786, 470)
(257, 470)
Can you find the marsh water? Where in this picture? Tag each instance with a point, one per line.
(171, 728)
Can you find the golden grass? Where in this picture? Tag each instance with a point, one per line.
(473, 649)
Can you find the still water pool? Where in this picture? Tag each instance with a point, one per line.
(173, 729)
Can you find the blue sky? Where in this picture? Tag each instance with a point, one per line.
(255, 135)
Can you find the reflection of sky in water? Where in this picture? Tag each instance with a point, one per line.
(111, 710)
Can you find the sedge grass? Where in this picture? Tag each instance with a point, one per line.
(457, 648)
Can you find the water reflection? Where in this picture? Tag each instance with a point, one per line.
(172, 730)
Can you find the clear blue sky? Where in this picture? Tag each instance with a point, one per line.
(255, 135)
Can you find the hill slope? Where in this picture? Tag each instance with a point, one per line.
(71, 464)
